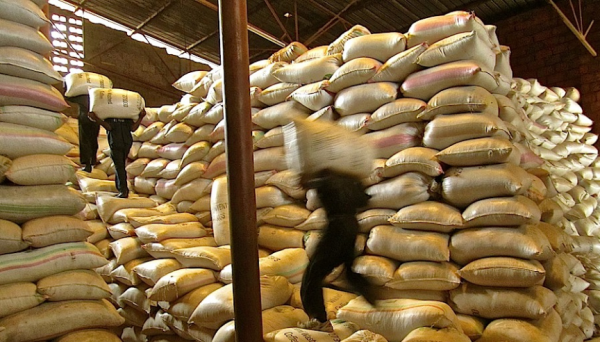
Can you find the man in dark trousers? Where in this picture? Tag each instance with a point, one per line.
(88, 133)
(119, 141)
(341, 196)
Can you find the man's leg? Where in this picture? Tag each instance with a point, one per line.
(119, 156)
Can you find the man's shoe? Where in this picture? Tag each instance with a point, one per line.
(87, 168)
(123, 195)
(315, 324)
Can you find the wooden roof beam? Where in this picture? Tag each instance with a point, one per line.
(260, 32)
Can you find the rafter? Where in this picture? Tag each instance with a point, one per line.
(272, 10)
(258, 31)
(329, 24)
(578, 32)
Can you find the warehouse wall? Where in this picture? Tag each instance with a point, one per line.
(135, 65)
(544, 48)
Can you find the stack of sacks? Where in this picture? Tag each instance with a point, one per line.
(50, 290)
(124, 250)
(559, 133)
(363, 94)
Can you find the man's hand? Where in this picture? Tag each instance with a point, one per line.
(94, 117)
(137, 122)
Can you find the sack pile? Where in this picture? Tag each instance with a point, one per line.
(48, 288)
(482, 223)
(559, 134)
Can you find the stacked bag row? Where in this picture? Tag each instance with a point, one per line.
(560, 135)
(48, 289)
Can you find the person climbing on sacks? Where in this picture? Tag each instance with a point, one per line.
(333, 161)
(77, 85)
(120, 112)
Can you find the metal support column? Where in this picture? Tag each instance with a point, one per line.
(233, 23)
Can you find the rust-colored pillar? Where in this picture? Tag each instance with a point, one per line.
(240, 169)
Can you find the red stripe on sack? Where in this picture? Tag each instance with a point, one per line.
(47, 260)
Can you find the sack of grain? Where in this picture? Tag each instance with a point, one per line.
(73, 285)
(310, 71)
(432, 334)
(79, 83)
(279, 317)
(462, 186)
(270, 159)
(277, 93)
(146, 186)
(396, 193)
(279, 238)
(23, 36)
(289, 263)
(24, 12)
(115, 103)
(18, 141)
(300, 335)
(356, 123)
(400, 316)
(214, 258)
(379, 46)
(151, 271)
(526, 242)
(264, 78)
(287, 215)
(217, 307)
(376, 270)
(396, 112)
(23, 63)
(177, 283)
(365, 98)
(497, 302)
(306, 154)
(55, 319)
(11, 238)
(32, 117)
(413, 159)
(461, 46)
(446, 130)
(408, 245)
(188, 81)
(96, 185)
(428, 215)
(354, 72)
(547, 328)
(280, 114)
(313, 96)
(50, 230)
(400, 66)
(22, 203)
(183, 305)
(501, 211)
(164, 248)
(17, 297)
(156, 232)
(504, 272)
(89, 335)
(425, 275)
(127, 249)
(42, 262)
(456, 100)
(425, 84)
(480, 151)
(436, 28)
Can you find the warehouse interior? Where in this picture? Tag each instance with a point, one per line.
(452, 145)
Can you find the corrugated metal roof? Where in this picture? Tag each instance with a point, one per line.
(193, 24)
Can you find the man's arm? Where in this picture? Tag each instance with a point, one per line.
(137, 123)
(103, 123)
